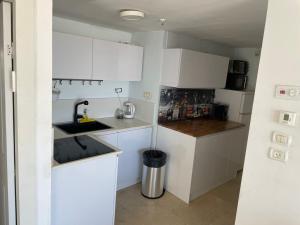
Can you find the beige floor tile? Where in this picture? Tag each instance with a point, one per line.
(218, 207)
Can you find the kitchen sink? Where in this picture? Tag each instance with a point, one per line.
(75, 128)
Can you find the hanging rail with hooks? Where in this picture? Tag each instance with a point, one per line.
(71, 80)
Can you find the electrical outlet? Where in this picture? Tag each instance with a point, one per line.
(147, 95)
(118, 90)
(278, 155)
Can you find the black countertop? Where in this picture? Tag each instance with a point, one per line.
(77, 148)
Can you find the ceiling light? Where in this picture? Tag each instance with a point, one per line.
(130, 14)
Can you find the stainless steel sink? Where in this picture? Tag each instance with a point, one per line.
(75, 128)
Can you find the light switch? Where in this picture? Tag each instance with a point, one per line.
(279, 155)
(287, 118)
(282, 139)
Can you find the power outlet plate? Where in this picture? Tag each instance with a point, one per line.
(278, 155)
(118, 90)
(147, 95)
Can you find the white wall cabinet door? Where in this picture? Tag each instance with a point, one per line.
(190, 69)
(72, 56)
(132, 143)
(105, 60)
(117, 62)
(130, 63)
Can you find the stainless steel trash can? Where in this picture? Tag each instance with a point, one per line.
(153, 173)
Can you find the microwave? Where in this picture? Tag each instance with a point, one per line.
(236, 82)
(238, 67)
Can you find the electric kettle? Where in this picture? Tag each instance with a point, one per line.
(129, 110)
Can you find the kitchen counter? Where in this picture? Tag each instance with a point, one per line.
(201, 127)
(117, 125)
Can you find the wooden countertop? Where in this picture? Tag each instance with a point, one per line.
(201, 127)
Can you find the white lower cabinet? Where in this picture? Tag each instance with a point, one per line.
(198, 165)
(84, 192)
(132, 143)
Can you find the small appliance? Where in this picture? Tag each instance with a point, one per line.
(129, 110)
(236, 82)
(237, 75)
(220, 111)
(238, 67)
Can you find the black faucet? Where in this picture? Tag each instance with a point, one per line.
(76, 116)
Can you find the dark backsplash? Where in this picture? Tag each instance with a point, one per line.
(180, 104)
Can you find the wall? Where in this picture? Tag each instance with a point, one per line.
(154, 42)
(84, 29)
(33, 64)
(176, 40)
(78, 91)
(252, 55)
(97, 108)
(270, 189)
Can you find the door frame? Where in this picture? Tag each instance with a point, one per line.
(33, 110)
(7, 117)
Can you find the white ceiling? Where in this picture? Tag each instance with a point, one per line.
(238, 23)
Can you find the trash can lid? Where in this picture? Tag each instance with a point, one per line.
(154, 158)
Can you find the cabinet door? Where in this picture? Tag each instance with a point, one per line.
(247, 103)
(111, 139)
(130, 61)
(105, 60)
(132, 143)
(201, 70)
(171, 67)
(72, 56)
(85, 192)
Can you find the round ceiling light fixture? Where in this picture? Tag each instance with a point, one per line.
(131, 14)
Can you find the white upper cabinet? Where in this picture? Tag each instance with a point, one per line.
(77, 57)
(130, 62)
(115, 61)
(72, 56)
(190, 69)
(105, 60)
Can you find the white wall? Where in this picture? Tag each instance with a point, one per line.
(33, 24)
(78, 28)
(270, 192)
(153, 43)
(79, 91)
(252, 55)
(176, 40)
(88, 30)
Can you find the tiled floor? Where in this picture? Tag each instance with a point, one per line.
(217, 207)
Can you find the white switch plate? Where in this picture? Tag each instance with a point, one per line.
(282, 138)
(287, 118)
(288, 92)
(278, 155)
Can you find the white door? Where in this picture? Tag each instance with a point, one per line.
(132, 143)
(247, 103)
(105, 60)
(7, 177)
(130, 62)
(72, 56)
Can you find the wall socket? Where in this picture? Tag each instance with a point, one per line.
(118, 90)
(278, 155)
(147, 95)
